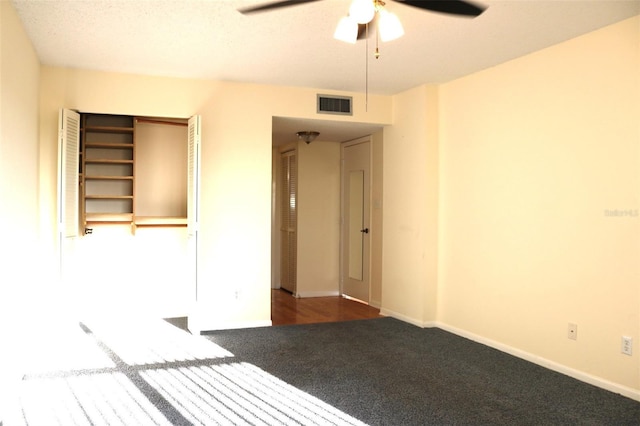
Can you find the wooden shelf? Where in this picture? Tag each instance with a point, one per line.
(108, 129)
(109, 197)
(107, 161)
(108, 145)
(109, 217)
(106, 177)
(160, 221)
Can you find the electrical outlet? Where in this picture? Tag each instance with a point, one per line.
(627, 345)
(572, 331)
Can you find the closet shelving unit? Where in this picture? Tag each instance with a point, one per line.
(108, 170)
(108, 164)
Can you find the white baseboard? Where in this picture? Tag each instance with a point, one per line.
(304, 294)
(551, 365)
(401, 317)
(202, 327)
(543, 362)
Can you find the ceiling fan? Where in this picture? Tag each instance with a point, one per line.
(362, 13)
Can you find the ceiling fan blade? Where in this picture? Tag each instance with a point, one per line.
(273, 5)
(454, 7)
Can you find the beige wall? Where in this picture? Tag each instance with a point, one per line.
(19, 71)
(533, 154)
(22, 286)
(20, 240)
(318, 219)
(377, 201)
(497, 188)
(410, 189)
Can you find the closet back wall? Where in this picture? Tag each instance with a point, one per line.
(161, 169)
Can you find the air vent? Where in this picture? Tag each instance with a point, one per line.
(334, 105)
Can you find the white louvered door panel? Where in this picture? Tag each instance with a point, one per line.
(68, 186)
(193, 199)
(288, 255)
(193, 179)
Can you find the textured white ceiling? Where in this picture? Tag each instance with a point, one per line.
(295, 46)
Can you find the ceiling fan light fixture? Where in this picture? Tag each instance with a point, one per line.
(307, 136)
(390, 27)
(347, 30)
(362, 11)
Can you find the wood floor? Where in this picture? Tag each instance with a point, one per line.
(286, 309)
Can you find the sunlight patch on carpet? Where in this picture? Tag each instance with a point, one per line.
(148, 372)
(241, 393)
(98, 399)
(142, 342)
(67, 349)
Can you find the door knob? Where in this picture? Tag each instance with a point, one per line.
(365, 230)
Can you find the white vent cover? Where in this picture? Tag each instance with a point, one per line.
(330, 104)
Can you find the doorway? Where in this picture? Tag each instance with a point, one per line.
(319, 259)
(356, 217)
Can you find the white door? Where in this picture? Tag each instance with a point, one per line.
(356, 175)
(193, 196)
(288, 225)
(68, 189)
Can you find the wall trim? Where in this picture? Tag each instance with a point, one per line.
(422, 324)
(527, 356)
(543, 362)
(303, 294)
(224, 325)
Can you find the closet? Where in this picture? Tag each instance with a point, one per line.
(129, 202)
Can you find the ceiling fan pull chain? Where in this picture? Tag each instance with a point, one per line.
(366, 69)
(377, 54)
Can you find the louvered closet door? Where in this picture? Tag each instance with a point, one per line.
(68, 193)
(193, 200)
(193, 178)
(68, 190)
(288, 238)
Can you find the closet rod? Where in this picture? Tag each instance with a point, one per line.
(148, 120)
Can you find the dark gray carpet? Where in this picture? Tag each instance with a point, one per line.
(387, 372)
